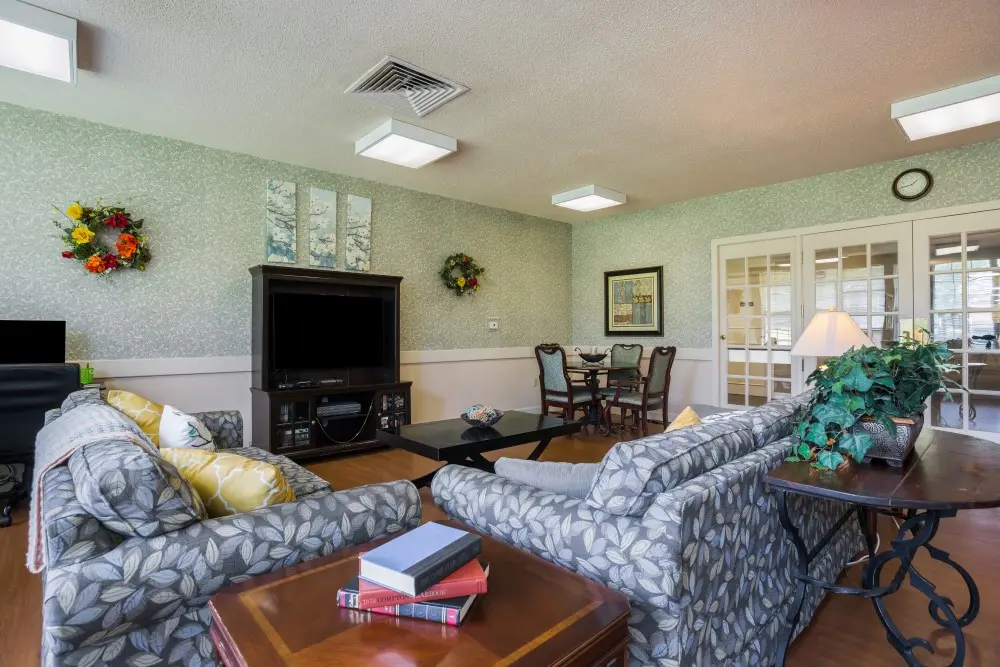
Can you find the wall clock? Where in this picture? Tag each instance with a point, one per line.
(912, 184)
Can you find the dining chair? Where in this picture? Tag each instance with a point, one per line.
(556, 388)
(622, 355)
(645, 394)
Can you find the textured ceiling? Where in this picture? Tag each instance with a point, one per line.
(662, 100)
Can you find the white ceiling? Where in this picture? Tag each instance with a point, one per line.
(662, 100)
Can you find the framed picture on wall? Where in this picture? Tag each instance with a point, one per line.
(633, 302)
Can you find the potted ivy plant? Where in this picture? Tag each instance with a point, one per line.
(869, 402)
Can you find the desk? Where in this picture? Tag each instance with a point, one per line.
(947, 472)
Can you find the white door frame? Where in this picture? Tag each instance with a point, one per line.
(798, 233)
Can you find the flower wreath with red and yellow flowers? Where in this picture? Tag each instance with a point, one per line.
(460, 273)
(104, 238)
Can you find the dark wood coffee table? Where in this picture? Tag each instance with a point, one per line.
(946, 472)
(535, 613)
(454, 441)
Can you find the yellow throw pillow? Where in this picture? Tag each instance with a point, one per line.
(230, 484)
(687, 417)
(143, 412)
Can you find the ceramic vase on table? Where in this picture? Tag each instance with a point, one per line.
(885, 447)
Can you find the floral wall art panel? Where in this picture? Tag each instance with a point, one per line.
(280, 222)
(322, 228)
(358, 253)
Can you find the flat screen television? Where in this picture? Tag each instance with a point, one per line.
(324, 331)
(32, 342)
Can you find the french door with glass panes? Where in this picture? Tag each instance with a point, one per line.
(957, 297)
(757, 320)
(865, 272)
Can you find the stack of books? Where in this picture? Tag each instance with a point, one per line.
(430, 573)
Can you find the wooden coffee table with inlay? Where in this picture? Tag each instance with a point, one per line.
(535, 613)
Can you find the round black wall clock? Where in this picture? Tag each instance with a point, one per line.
(912, 184)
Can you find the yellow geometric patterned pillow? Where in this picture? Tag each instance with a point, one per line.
(230, 484)
(143, 412)
(687, 417)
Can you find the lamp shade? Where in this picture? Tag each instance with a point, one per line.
(830, 333)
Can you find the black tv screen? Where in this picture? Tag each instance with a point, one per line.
(32, 342)
(319, 331)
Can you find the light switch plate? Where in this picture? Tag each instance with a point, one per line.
(493, 324)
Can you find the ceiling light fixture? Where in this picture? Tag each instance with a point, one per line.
(404, 144)
(38, 41)
(588, 198)
(954, 250)
(951, 110)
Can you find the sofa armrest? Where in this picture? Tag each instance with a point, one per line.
(736, 565)
(226, 427)
(143, 581)
(618, 552)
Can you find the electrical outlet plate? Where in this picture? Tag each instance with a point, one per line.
(493, 324)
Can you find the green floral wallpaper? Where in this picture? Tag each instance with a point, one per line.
(204, 212)
(678, 236)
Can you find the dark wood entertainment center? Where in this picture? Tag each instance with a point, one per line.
(288, 405)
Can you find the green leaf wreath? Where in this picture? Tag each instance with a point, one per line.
(461, 274)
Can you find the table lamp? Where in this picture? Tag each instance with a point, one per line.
(830, 333)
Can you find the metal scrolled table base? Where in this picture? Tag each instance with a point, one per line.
(917, 531)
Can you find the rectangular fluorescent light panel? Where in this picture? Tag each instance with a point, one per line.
(588, 198)
(951, 110)
(38, 41)
(404, 144)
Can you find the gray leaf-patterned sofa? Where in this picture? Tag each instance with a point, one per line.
(138, 602)
(683, 524)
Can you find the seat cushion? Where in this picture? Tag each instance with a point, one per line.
(580, 395)
(632, 473)
(131, 491)
(301, 480)
(569, 479)
(228, 483)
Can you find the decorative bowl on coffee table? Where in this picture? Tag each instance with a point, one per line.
(482, 416)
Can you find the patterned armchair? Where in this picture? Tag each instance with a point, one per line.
(683, 524)
(553, 379)
(645, 394)
(112, 600)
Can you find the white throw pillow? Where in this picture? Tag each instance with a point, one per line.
(180, 430)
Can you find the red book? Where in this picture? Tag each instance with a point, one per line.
(470, 579)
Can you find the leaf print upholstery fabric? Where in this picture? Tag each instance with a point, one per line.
(707, 568)
(72, 534)
(773, 421)
(633, 473)
(132, 492)
(226, 427)
(142, 602)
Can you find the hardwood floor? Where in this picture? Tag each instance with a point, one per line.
(845, 631)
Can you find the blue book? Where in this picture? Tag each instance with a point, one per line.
(416, 560)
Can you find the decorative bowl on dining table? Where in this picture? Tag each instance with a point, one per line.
(592, 357)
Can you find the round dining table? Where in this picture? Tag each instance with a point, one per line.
(593, 382)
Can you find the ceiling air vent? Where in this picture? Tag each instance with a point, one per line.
(399, 84)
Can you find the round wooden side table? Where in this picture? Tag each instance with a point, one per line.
(946, 473)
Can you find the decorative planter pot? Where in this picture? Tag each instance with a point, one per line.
(886, 448)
